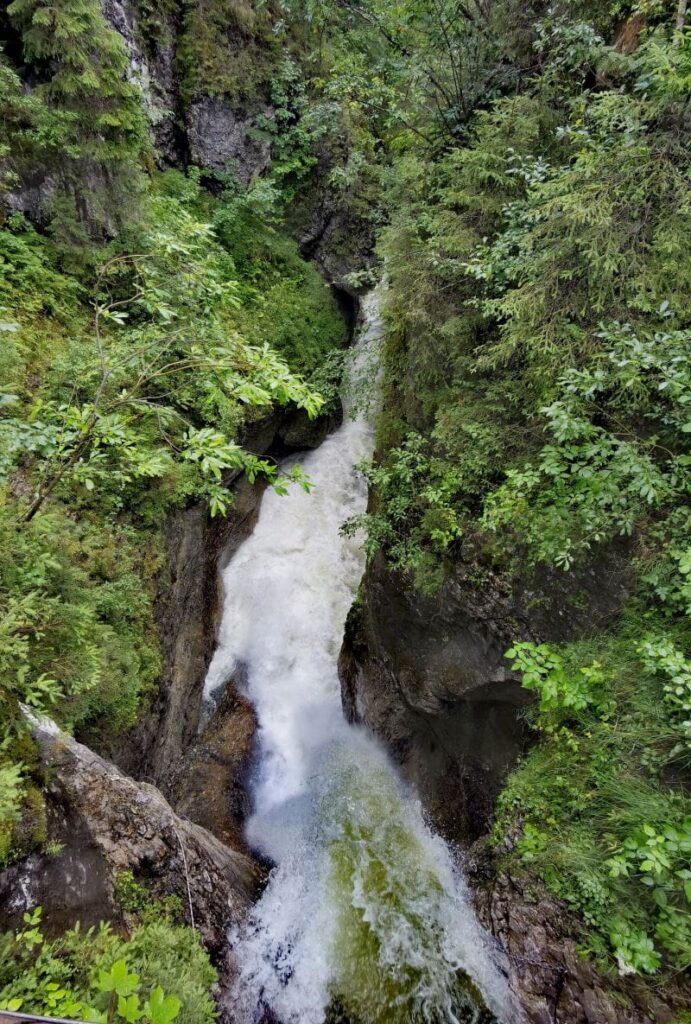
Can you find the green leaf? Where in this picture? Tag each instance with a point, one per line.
(161, 1009)
(118, 979)
(129, 1008)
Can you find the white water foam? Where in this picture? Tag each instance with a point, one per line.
(364, 901)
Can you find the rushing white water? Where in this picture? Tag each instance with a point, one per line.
(364, 905)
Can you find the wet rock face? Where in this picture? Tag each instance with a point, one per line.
(73, 885)
(116, 824)
(220, 138)
(154, 74)
(429, 676)
(188, 609)
(300, 433)
(334, 239)
(208, 780)
(211, 131)
(34, 195)
(554, 983)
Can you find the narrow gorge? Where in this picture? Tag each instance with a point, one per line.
(345, 661)
(364, 906)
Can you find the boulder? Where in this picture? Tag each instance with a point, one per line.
(109, 823)
(300, 433)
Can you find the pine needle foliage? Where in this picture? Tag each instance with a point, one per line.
(85, 116)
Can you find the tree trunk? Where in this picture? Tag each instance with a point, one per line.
(681, 15)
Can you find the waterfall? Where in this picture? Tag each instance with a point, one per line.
(365, 909)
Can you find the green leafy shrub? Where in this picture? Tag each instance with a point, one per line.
(661, 658)
(562, 694)
(79, 640)
(162, 356)
(594, 480)
(598, 821)
(416, 517)
(96, 975)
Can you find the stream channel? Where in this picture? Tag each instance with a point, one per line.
(365, 916)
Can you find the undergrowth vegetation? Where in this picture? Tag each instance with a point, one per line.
(157, 974)
(600, 800)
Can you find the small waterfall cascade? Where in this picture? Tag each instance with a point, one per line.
(365, 917)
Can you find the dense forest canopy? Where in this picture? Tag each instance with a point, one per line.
(519, 173)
